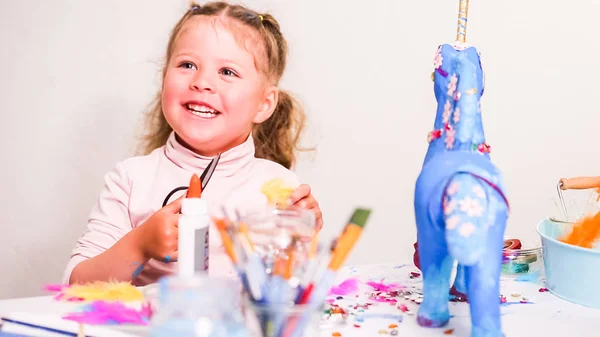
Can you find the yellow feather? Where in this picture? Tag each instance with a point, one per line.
(277, 192)
(107, 291)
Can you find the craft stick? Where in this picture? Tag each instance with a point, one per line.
(579, 183)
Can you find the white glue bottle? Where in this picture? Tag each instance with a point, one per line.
(193, 232)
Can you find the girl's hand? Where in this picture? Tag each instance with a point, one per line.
(302, 197)
(157, 238)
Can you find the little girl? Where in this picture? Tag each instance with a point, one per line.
(219, 95)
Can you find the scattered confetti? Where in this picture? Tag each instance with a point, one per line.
(385, 299)
(336, 334)
(356, 326)
(385, 316)
(338, 310)
(449, 332)
(392, 326)
(383, 332)
(379, 286)
(543, 290)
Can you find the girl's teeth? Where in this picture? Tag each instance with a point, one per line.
(200, 108)
(203, 114)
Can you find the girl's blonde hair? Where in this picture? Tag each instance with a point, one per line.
(277, 138)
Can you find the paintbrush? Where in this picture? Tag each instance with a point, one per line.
(316, 266)
(343, 246)
(254, 268)
(280, 289)
(318, 289)
(222, 227)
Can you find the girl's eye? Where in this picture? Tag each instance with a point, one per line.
(228, 72)
(188, 65)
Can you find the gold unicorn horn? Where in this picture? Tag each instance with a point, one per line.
(461, 32)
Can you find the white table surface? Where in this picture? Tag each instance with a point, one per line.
(545, 315)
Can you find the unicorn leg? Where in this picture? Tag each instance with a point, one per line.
(483, 283)
(459, 288)
(436, 267)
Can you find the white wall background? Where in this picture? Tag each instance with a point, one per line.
(76, 75)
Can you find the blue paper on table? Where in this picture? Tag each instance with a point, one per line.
(48, 325)
(6, 334)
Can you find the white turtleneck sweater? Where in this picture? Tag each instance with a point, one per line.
(137, 187)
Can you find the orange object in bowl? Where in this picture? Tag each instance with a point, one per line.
(585, 233)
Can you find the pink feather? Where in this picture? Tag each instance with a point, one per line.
(380, 286)
(101, 312)
(349, 286)
(55, 287)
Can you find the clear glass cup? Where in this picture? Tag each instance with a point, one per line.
(274, 231)
(284, 320)
(197, 306)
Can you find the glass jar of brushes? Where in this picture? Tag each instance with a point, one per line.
(198, 306)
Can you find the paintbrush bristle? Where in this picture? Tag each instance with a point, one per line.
(360, 217)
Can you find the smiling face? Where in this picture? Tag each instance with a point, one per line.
(213, 92)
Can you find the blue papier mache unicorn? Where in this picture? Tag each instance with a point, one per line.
(460, 204)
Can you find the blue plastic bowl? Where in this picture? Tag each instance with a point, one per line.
(572, 273)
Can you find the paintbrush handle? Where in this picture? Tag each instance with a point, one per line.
(579, 183)
(243, 228)
(344, 245)
(227, 242)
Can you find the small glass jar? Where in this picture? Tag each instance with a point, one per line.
(282, 320)
(523, 260)
(197, 306)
